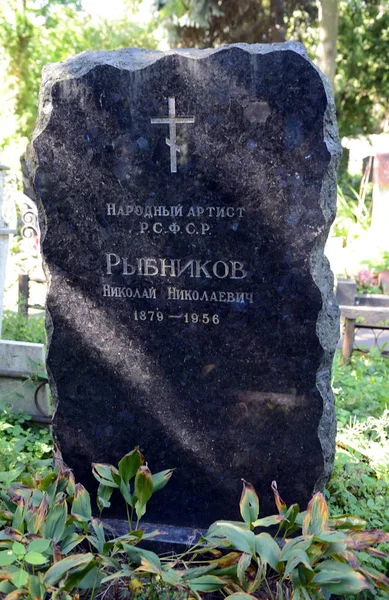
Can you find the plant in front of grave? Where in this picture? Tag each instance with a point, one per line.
(322, 560)
(133, 479)
(47, 524)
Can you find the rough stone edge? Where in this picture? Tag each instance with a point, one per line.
(327, 326)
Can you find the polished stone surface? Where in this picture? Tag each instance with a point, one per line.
(190, 306)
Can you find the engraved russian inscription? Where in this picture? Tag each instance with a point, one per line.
(191, 303)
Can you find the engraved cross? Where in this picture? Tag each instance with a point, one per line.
(172, 121)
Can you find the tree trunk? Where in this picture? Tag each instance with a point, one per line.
(328, 33)
(277, 25)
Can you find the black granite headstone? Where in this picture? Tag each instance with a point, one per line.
(187, 197)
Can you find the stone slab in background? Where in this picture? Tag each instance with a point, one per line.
(22, 376)
(191, 305)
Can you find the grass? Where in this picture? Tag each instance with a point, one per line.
(360, 482)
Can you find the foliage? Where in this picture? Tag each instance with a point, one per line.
(360, 482)
(361, 388)
(35, 33)
(381, 264)
(362, 80)
(208, 23)
(47, 526)
(18, 327)
(24, 446)
(353, 214)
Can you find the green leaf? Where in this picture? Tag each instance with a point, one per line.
(268, 521)
(125, 492)
(55, 522)
(36, 588)
(70, 541)
(143, 490)
(104, 474)
(339, 578)
(207, 583)
(249, 504)
(268, 550)
(104, 494)
(61, 568)
(20, 578)
(136, 555)
(298, 557)
(81, 506)
(98, 540)
(129, 465)
(35, 558)
(7, 557)
(39, 545)
(18, 549)
(18, 519)
(161, 479)
(239, 539)
(301, 542)
(317, 515)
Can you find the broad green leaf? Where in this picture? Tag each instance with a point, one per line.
(78, 575)
(36, 588)
(268, 550)
(92, 578)
(6, 587)
(104, 494)
(18, 519)
(302, 542)
(207, 583)
(129, 465)
(55, 522)
(196, 572)
(98, 540)
(298, 557)
(70, 541)
(317, 515)
(61, 568)
(239, 539)
(39, 545)
(104, 474)
(339, 578)
(161, 479)
(143, 490)
(20, 578)
(125, 492)
(35, 558)
(136, 554)
(268, 521)
(81, 506)
(7, 557)
(249, 504)
(171, 577)
(18, 549)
